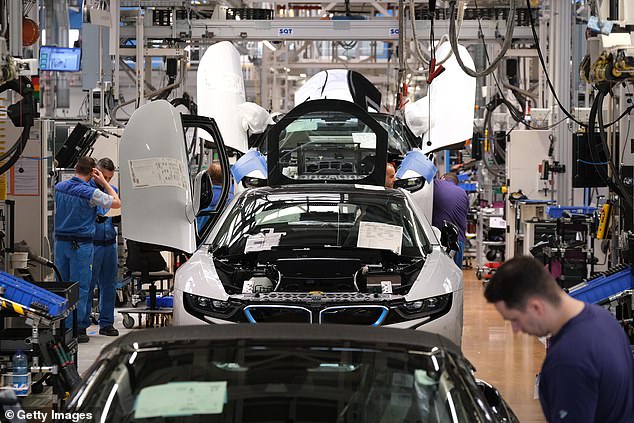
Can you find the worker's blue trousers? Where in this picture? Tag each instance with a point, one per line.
(457, 258)
(104, 275)
(74, 261)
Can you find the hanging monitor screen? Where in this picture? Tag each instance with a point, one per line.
(60, 59)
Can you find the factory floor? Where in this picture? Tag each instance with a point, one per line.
(508, 361)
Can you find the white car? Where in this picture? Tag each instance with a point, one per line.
(321, 242)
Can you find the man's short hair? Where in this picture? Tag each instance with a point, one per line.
(451, 176)
(215, 172)
(85, 165)
(519, 279)
(106, 164)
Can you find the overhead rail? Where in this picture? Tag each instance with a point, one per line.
(379, 29)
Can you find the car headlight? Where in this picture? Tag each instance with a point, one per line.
(197, 304)
(425, 307)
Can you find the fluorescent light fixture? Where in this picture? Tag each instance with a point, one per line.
(302, 75)
(269, 45)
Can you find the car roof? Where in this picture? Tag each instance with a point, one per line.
(293, 333)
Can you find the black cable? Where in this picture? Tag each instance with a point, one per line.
(627, 135)
(621, 116)
(453, 40)
(604, 143)
(543, 63)
(517, 115)
(21, 114)
(616, 185)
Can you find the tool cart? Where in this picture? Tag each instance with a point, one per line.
(39, 319)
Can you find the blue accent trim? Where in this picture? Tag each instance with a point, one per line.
(381, 317)
(247, 313)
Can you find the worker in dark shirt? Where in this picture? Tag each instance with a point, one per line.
(588, 373)
(451, 203)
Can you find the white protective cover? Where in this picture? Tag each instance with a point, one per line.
(157, 202)
(452, 96)
(254, 117)
(220, 90)
(336, 87)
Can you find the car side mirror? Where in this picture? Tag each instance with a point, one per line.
(449, 236)
(203, 193)
(249, 182)
(410, 184)
(496, 402)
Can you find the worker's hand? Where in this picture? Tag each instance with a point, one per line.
(98, 177)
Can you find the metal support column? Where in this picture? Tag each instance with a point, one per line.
(140, 60)
(115, 17)
(15, 12)
(560, 55)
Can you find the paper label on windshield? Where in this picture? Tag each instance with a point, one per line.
(262, 241)
(380, 236)
(180, 399)
(158, 171)
(364, 139)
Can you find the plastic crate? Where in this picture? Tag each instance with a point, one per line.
(556, 212)
(29, 295)
(469, 187)
(162, 302)
(604, 286)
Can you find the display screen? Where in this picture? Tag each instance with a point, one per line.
(60, 59)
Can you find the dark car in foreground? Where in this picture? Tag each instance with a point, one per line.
(285, 373)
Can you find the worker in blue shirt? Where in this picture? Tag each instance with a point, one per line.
(588, 373)
(76, 204)
(105, 261)
(215, 174)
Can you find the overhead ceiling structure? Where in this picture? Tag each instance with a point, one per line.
(286, 41)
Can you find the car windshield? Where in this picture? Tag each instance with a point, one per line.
(251, 381)
(400, 139)
(352, 218)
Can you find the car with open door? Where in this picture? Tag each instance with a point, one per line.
(285, 373)
(322, 241)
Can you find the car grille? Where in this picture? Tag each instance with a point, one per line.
(278, 314)
(366, 315)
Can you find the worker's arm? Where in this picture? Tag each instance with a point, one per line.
(116, 202)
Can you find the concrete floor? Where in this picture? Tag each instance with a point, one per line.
(89, 351)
